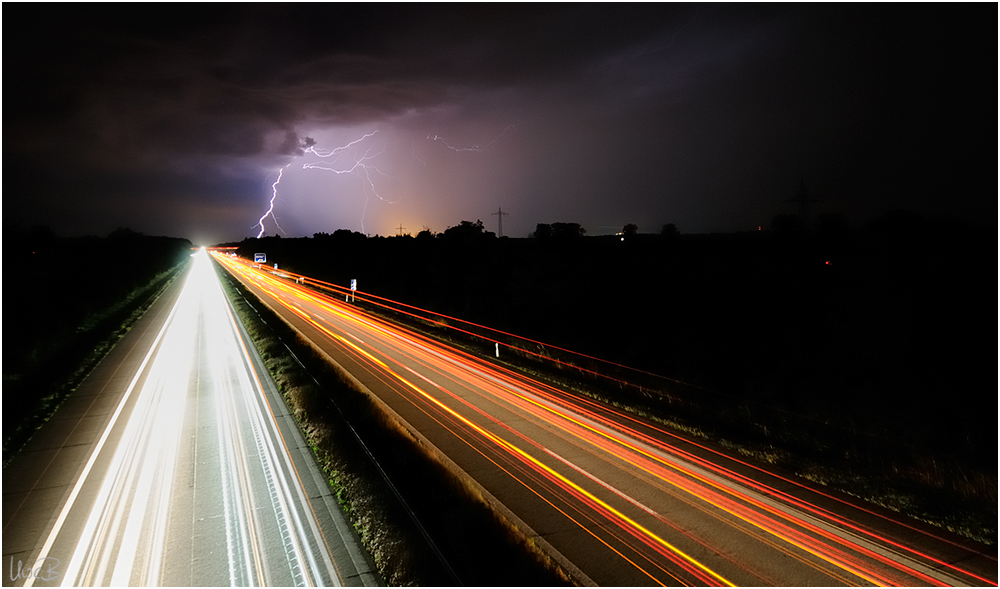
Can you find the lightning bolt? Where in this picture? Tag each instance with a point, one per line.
(339, 161)
(341, 149)
(270, 208)
(474, 147)
(413, 152)
(360, 167)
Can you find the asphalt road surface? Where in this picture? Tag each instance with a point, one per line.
(190, 480)
(615, 499)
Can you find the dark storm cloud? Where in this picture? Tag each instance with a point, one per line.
(704, 115)
(292, 145)
(176, 81)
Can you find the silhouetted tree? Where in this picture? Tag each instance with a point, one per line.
(565, 231)
(630, 230)
(123, 234)
(669, 231)
(467, 231)
(348, 236)
(543, 232)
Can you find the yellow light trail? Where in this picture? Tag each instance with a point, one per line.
(588, 425)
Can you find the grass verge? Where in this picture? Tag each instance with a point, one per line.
(73, 359)
(420, 523)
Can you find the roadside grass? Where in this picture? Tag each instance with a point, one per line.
(419, 522)
(66, 361)
(870, 466)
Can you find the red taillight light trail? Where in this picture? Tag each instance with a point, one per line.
(466, 391)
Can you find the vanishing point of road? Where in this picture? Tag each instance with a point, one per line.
(176, 463)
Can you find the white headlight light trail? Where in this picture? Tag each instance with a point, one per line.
(255, 502)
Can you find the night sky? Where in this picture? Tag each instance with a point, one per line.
(176, 119)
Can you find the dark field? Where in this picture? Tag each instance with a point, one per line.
(860, 350)
(67, 301)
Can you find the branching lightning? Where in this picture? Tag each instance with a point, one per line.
(341, 149)
(270, 208)
(360, 167)
(413, 152)
(474, 147)
(340, 160)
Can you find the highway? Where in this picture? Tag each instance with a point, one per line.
(190, 480)
(615, 499)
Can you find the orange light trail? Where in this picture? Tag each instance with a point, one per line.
(466, 395)
(423, 314)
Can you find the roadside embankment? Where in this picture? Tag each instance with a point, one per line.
(411, 511)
